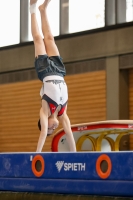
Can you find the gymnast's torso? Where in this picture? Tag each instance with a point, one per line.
(54, 91)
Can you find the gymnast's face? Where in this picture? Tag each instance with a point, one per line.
(53, 123)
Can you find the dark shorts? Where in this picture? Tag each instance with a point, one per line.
(47, 66)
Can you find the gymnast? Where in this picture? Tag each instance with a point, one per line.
(51, 71)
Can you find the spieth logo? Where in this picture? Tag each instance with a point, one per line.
(70, 166)
(59, 165)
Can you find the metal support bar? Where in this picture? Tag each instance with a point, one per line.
(64, 17)
(121, 11)
(24, 15)
(110, 12)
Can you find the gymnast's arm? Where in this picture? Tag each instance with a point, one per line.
(64, 119)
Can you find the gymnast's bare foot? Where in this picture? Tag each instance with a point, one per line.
(33, 1)
(44, 5)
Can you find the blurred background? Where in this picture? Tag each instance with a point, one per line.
(95, 39)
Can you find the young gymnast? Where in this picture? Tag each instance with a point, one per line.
(51, 72)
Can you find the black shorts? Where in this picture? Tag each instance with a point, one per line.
(47, 66)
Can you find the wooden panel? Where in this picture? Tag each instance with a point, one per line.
(87, 97)
(20, 104)
(19, 112)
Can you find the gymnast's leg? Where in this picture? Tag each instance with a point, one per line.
(37, 38)
(50, 45)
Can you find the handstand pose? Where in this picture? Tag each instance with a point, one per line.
(50, 70)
